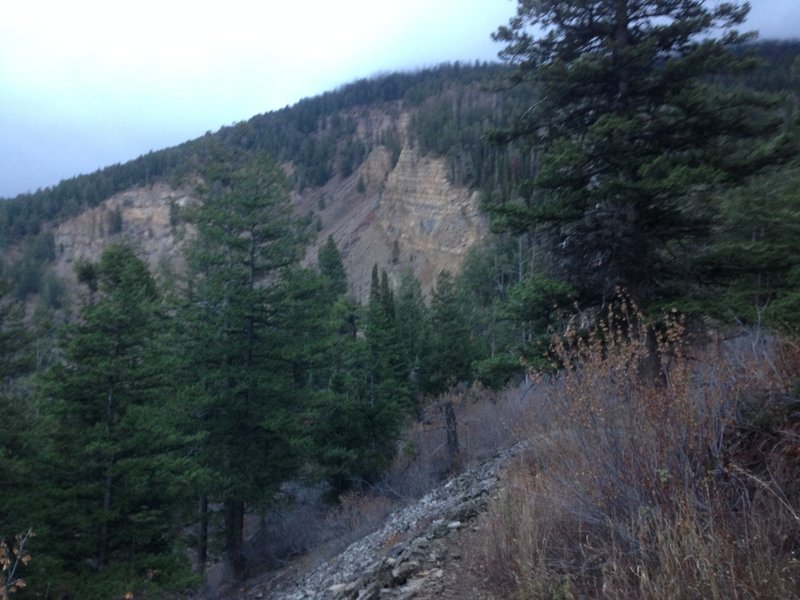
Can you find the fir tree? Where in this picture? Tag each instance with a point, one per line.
(118, 470)
(18, 425)
(332, 269)
(236, 308)
(752, 270)
(630, 131)
(412, 315)
(450, 357)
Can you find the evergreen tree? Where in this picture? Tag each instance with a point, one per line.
(18, 441)
(118, 472)
(388, 370)
(631, 130)
(359, 416)
(354, 421)
(332, 269)
(753, 267)
(342, 425)
(245, 241)
(450, 358)
(412, 317)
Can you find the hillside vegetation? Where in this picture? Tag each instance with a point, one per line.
(641, 190)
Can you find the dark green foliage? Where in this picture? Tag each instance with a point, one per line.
(27, 271)
(388, 370)
(496, 372)
(511, 309)
(490, 269)
(331, 268)
(118, 474)
(450, 352)
(115, 221)
(535, 304)
(630, 133)
(351, 157)
(51, 291)
(236, 316)
(86, 274)
(412, 319)
(18, 441)
(753, 266)
(14, 359)
(358, 385)
(455, 122)
(344, 447)
(356, 420)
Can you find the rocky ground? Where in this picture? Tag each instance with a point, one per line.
(419, 552)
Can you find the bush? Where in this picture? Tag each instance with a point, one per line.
(646, 481)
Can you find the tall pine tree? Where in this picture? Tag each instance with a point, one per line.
(118, 463)
(450, 355)
(18, 444)
(332, 269)
(245, 241)
(631, 130)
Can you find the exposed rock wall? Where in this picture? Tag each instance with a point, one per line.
(432, 223)
(141, 217)
(408, 215)
(398, 216)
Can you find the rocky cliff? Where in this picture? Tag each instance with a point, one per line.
(398, 216)
(144, 217)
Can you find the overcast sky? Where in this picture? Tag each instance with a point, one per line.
(87, 83)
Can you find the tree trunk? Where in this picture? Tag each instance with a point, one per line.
(202, 535)
(103, 544)
(234, 537)
(452, 432)
(102, 551)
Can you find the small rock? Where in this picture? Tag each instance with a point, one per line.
(403, 571)
(454, 525)
(414, 585)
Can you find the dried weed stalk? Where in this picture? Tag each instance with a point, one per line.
(633, 486)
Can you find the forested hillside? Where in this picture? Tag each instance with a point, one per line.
(149, 419)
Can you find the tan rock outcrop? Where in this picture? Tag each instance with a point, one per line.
(138, 216)
(408, 216)
(398, 216)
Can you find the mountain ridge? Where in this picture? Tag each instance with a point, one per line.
(408, 216)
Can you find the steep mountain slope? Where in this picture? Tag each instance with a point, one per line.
(402, 215)
(406, 216)
(141, 216)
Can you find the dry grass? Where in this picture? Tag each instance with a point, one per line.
(487, 422)
(646, 479)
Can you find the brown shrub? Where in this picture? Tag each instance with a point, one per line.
(633, 485)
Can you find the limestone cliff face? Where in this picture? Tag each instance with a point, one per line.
(139, 216)
(398, 216)
(407, 215)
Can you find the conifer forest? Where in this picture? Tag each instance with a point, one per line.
(637, 166)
